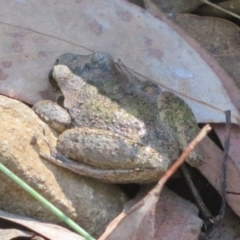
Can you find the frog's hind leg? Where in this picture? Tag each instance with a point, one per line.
(175, 113)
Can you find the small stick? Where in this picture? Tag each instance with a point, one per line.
(234, 193)
(206, 213)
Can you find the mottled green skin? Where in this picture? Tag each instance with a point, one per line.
(175, 112)
(125, 112)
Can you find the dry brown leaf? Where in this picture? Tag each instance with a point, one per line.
(212, 168)
(174, 218)
(50, 231)
(234, 153)
(8, 234)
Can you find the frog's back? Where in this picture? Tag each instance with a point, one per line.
(111, 100)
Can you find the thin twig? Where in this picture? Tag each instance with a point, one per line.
(233, 193)
(220, 217)
(183, 156)
(220, 8)
(206, 213)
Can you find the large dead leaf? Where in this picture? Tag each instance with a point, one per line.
(9, 234)
(155, 218)
(144, 43)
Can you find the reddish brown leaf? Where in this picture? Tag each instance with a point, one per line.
(142, 222)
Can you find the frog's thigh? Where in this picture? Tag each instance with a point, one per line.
(175, 113)
(107, 150)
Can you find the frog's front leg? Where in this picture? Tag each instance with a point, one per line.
(52, 114)
(175, 113)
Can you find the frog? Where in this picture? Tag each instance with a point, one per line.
(120, 129)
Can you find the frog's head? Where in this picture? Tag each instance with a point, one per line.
(100, 69)
(58, 79)
(67, 83)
